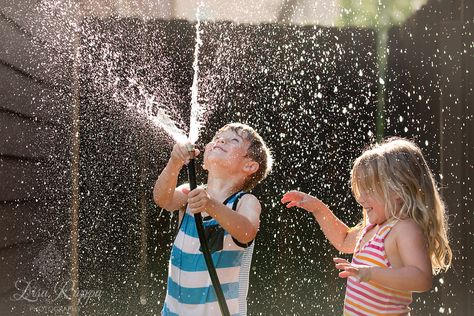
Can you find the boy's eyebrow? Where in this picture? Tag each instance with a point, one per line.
(239, 136)
(235, 132)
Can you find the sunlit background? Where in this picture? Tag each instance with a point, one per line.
(87, 86)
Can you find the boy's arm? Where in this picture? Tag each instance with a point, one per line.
(165, 193)
(242, 224)
(339, 234)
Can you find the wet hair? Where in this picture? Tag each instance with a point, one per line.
(257, 151)
(396, 167)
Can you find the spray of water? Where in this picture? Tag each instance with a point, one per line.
(197, 110)
(155, 111)
(158, 113)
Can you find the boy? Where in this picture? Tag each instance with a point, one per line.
(236, 160)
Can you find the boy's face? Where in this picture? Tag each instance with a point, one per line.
(228, 148)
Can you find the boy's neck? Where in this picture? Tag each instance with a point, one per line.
(220, 187)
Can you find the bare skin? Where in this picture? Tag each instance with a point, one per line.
(228, 168)
(405, 245)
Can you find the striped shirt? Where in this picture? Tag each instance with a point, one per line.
(190, 290)
(370, 298)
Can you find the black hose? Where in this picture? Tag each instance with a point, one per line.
(205, 247)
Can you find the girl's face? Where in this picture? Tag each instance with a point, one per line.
(374, 207)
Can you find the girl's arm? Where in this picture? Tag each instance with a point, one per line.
(414, 275)
(339, 234)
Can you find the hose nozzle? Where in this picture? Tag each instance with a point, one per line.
(190, 148)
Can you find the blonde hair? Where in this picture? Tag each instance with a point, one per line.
(257, 151)
(397, 167)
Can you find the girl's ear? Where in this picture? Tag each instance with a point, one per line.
(251, 167)
(398, 201)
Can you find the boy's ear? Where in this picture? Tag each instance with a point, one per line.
(251, 167)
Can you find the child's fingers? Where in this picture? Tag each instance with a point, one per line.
(185, 190)
(290, 197)
(196, 206)
(195, 192)
(195, 211)
(292, 203)
(349, 271)
(195, 199)
(285, 199)
(340, 260)
(342, 266)
(183, 151)
(344, 274)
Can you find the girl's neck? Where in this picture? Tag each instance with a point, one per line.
(386, 222)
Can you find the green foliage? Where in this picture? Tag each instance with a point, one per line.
(377, 13)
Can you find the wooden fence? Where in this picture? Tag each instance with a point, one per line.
(310, 92)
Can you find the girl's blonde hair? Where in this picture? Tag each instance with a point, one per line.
(396, 167)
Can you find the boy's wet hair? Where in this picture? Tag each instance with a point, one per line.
(257, 151)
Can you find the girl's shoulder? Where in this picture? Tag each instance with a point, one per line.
(406, 228)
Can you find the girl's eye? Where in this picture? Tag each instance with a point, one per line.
(235, 140)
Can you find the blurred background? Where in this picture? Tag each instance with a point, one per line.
(82, 84)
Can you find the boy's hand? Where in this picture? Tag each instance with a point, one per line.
(198, 200)
(180, 154)
(300, 199)
(362, 273)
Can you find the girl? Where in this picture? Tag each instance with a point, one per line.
(402, 240)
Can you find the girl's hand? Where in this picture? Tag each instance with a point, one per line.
(362, 273)
(180, 154)
(300, 199)
(198, 200)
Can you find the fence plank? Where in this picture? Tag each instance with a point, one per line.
(26, 138)
(428, 54)
(455, 164)
(34, 58)
(26, 180)
(15, 263)
(51, 22)
(22, 94)
(18, 222)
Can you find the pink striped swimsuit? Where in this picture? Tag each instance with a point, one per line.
(369, 298)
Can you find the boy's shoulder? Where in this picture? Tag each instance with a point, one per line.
(249, 197)
(248, 201)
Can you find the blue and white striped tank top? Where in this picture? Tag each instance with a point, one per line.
(190, 291)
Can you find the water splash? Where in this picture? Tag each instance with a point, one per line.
(155, 111)
(134, 93)
(197, 109)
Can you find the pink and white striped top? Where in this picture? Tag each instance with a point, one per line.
(370, 298)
